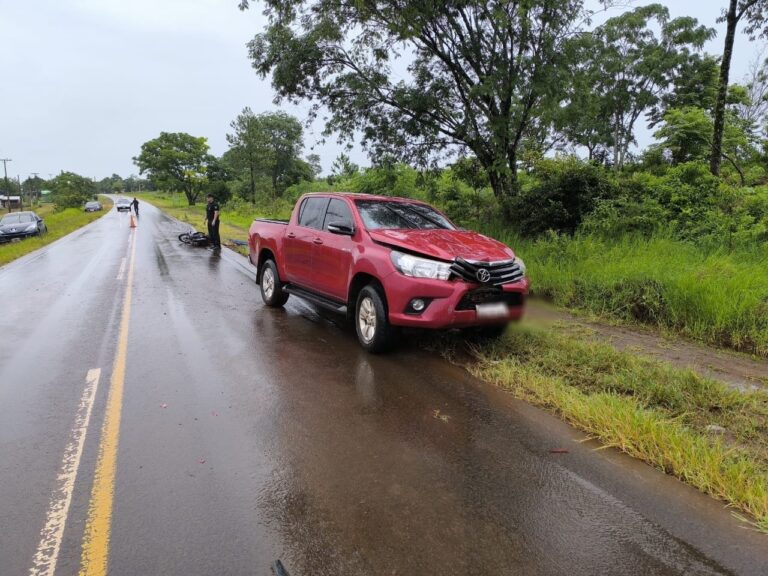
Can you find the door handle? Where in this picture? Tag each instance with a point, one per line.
(317, 241)
(291, 235)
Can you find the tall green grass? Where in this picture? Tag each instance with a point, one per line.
(718, 296)
(654, 412)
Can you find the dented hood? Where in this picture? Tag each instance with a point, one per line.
(445, 244)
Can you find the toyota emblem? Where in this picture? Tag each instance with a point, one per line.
(483, 275)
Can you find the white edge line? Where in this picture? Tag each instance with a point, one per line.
(51, 535)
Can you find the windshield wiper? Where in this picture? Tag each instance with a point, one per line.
(427, 218)
(400, 216)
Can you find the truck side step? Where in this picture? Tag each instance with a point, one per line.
(317, 299)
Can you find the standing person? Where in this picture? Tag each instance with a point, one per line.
(212, 218)
(135, 205)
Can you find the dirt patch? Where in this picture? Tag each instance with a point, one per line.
(732, 368)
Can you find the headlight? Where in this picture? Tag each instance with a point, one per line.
(420, 267)
(30, 228)
(519, 262)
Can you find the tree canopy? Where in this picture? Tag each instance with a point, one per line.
(270, 145)
(755, 14)
(176, 161)
(71, 190)
(478, 71)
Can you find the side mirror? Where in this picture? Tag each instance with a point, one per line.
(342, 229)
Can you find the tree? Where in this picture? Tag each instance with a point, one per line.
(32, 187)
(754, 107)
(343, 167)
(176, 161)
(479, 71)
(315, 165)
(695, 86)
(687, 134)
(631, 67)
(269, 144)
(244, 146)
(582, 119)
(71, 190)
(755, 12)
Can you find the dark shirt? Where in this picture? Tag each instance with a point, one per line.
(210, 209)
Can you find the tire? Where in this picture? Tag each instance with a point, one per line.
(374, 332)
(271, 287)
(184, 237)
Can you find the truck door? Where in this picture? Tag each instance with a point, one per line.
(332, 256)
(299, 242)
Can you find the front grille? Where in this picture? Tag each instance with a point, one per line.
(492, 273)
(488, 296)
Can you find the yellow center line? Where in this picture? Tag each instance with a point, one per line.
(95, 555)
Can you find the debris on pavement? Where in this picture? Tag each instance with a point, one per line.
(437, 415)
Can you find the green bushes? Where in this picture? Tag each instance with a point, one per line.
(562, 194)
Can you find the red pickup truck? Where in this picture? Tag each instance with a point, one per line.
(387, 262)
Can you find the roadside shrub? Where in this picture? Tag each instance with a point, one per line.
(563, 193)
(463, 204)
(386, 180)
(219, 189)
(613, 219)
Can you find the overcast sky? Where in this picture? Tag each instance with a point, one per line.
(86, 82)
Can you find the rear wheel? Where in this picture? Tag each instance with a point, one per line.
(271, 288)
(184, 237)
(374, 331)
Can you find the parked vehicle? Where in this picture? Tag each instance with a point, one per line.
(93, 206)
(123, 205)
(387, 263)
(17, 225)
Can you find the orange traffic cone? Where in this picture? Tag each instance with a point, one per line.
(133, 222)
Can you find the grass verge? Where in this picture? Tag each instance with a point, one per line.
(717, 296)
(694, 428)
(58, 223)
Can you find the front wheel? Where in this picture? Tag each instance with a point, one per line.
(371, 323)
(271, 288)
(185, 237)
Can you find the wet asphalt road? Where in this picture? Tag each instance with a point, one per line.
(250, 434)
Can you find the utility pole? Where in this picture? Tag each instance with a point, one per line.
(7, 191)
(34, 185)
(21, 193)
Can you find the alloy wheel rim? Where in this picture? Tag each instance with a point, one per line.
(367, 319)
(268, 282)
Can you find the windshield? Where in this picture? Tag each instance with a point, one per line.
(378, 214)
(16, 219)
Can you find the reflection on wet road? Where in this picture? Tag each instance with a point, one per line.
(250, 434)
